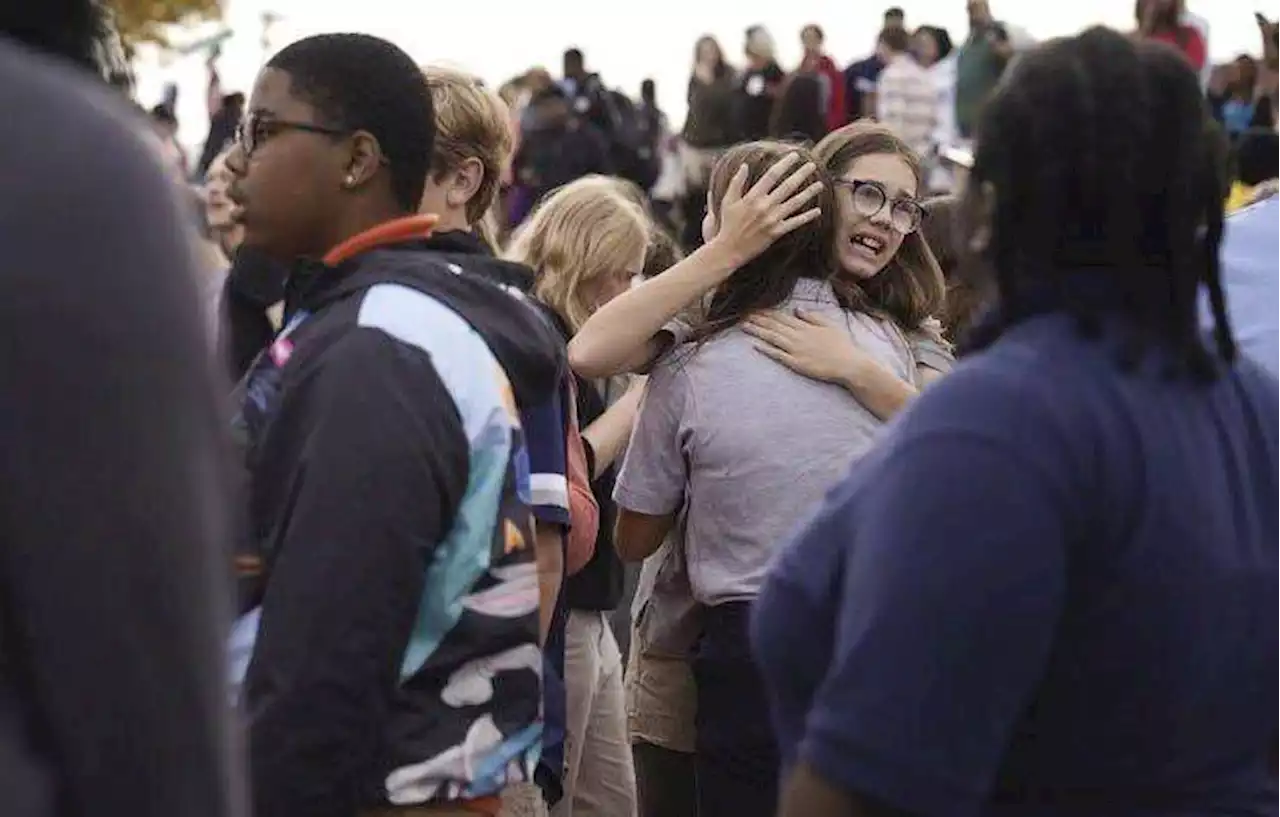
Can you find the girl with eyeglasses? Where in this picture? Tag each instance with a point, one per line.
(706, 445)
(883, 349)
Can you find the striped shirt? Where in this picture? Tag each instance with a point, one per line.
(907, 102)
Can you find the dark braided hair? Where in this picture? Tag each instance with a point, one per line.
(1106, 204)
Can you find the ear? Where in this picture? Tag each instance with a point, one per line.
(363, 161)
(464, 182)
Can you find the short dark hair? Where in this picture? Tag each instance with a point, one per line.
(895, 13)
(1256, 156)
(81, 31)
(357, 82)
(1119, 214)
(941, 38)
(896, 39)
(574, 55)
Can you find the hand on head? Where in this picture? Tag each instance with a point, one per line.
(750, 220)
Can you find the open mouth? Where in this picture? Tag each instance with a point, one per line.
(869, 245)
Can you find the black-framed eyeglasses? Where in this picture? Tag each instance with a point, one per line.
(255, 129)
(869, 198)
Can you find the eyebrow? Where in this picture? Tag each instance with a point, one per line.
(893, 192)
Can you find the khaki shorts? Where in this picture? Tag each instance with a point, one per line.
(523, 800)
(661, 700)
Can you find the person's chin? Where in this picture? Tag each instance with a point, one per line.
(861, 268)
(258, 240)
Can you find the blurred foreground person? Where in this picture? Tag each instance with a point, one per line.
(1051, 587)
(113, 577)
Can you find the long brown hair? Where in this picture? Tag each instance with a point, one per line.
(910, 289)
(769, 279)
(968, 291)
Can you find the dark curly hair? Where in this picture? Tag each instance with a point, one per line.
(357, 82)
(1119, 214)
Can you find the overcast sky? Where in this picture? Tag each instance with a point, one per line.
(498, 39)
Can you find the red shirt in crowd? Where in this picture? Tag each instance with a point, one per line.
(832, 86)
(1188, 40)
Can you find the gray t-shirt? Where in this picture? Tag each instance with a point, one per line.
(748, 446)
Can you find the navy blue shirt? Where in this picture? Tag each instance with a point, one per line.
(860, 80)
(1050, 590)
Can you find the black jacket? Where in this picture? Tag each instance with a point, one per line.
(556, 151)
(466, 252)
(388, 503)
(598, 585)
(255, 283)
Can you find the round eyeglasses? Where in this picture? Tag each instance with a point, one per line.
(869, 198)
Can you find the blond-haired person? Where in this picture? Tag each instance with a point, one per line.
(586, 242)
(473, 145)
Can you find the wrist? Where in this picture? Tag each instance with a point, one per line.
(853, 375)
(720, 259)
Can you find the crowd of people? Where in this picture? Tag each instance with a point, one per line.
(948, 504)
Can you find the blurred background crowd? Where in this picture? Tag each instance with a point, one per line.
(925, 81)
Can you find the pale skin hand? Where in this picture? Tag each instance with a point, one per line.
(812, 346)
(808, 344)
(623, 334)
(751, 220)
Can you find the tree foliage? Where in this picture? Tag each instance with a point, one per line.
(142, 21)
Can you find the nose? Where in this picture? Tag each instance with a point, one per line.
(236, 160)
(883, 217)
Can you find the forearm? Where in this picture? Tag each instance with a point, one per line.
(550, 558)
(879, 390)
(609, 434)
(620, 336)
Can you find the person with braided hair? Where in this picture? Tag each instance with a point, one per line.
(1051, 587)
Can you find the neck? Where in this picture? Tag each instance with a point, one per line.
(354, 222)
(453, 219)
